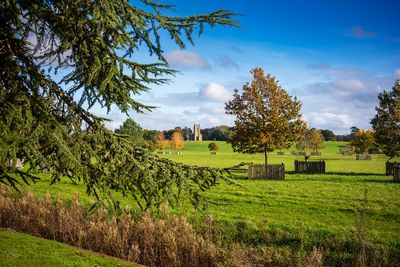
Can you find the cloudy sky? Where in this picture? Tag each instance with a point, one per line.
(335, 56)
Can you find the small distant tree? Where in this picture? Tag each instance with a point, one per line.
(364, 140)
(267, 117)
(386, 122)
(316, 140)
(328, 135)
(177, 141)
(213, 146)
(353, 132)
(161, 142)
(187, 133)
(311, 141)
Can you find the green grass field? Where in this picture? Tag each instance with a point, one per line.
(18, 249)
(321, 207)
(323, 204)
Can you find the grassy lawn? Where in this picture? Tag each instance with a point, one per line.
(18, 249)
(322, 206)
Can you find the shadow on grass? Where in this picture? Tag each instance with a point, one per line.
(342, 177)
(356, 174)
(331, 177)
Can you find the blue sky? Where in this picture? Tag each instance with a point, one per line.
(335, 56)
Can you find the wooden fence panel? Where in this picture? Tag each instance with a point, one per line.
(271, 172)
(396, 173)
(363, 157)
(389, 167)
(309, 166)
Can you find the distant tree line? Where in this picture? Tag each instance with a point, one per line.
(329, 135)
(217, 133)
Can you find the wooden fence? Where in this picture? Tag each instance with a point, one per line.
(315, 153)
(19, 164)
(309, 166)
(396, 173)
(269, 172)
(389, 167)
(363, 157)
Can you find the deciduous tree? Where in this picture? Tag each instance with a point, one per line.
(386, 122)
(266, 116)
(328, 135)
(177, 141)
(133, 130)
(60, 58)
(312, 140)
(213, 146)
(364, 140)
(161, 141)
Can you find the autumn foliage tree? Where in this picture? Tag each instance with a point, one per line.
(363, 140)
(177, 141)
(386, 122)
(266, 116)
(312, 140)
(161, 141)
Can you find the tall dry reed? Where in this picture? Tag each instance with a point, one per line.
(169, 241)
(166, 241)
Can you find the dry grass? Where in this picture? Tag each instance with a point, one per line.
(168, 241)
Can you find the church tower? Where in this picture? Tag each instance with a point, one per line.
(197, 133)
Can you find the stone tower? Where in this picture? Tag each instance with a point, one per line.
(197, 133)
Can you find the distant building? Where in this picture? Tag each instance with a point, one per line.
(197, 136)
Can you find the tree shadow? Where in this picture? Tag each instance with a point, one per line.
(341, 176)
(355, 174)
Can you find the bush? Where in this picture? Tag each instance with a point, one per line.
(213, 146)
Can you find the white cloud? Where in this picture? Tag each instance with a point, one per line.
(360, 33)
(397, 74)
(329, 120)
(162, 120)
(215, 92)
(360, 93)
(179, 58)
(350, 84)
(206, 94)
(225, 62)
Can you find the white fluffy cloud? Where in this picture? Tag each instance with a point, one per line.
(186, 59)
(397, 74)
(329, 120)
(162, 120)
(361, 33)
(210, 93)
(215, 92)
(356, 91)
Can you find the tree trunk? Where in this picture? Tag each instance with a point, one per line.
(265, 156)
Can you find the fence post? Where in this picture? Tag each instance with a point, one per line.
(396, 173)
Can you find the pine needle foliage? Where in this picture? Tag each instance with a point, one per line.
(90, 47)
(386, 122)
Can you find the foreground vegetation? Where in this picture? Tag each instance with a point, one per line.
(353, 205)
(17, 249)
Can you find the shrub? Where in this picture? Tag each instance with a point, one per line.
(213, 146)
